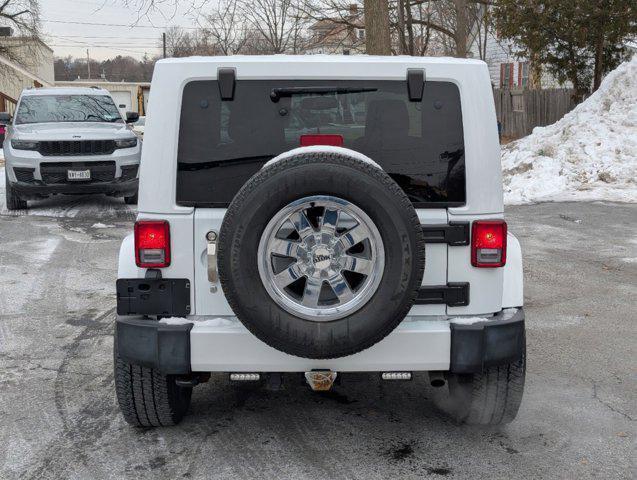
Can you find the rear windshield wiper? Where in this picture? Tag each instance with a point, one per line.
(277, 93)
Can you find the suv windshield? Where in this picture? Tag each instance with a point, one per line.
(67, 108)
(418, 143)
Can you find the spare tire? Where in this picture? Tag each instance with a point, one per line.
(321, 255)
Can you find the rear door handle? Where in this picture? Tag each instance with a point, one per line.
(212, 239)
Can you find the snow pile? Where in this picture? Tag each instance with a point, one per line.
(590, 154)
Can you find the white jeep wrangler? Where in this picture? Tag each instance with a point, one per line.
(320, 216)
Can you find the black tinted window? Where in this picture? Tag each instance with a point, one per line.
(67, 108)
(223, 143)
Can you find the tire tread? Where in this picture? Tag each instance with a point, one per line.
(493, 397)
(148, 398)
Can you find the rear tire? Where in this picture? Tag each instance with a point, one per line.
(14, 202)
(132, 200)
(489, 398)
(147, 398)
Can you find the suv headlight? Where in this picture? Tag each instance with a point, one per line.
(127, 143)
(25, 144)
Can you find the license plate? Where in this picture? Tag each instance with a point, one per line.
(78, 174)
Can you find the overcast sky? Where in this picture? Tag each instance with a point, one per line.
(134, 38)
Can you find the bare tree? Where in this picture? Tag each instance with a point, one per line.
(23, 17)
(182, 43)
(410, 28)
(225, 25)
(279, 23)
(413, 27)
(377, 36)
(416, 27)
(483, 26)
(454, 22)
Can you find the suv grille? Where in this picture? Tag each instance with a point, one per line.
(69, 148)
(57, 172)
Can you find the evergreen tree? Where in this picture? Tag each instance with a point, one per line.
(576, 41)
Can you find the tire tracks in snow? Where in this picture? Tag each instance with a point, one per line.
(83, 429)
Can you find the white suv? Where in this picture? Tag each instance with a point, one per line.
(69, 141)
(319, 216)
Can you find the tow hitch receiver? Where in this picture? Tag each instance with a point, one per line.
(320, 380)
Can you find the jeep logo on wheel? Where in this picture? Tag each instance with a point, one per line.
(320, 258)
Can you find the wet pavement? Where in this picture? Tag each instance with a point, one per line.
(59, 418)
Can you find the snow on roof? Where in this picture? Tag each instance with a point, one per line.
(590, 154)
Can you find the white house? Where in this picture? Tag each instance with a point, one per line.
(507, 69)
(27, 63)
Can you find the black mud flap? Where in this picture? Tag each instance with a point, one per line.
(151, 344)
(153, 296)
(486, 344)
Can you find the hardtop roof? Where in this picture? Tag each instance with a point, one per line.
(331, 59)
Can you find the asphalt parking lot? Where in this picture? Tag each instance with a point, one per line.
(59, 419)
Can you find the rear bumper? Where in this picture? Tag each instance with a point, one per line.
(120, 188)
(225, 345)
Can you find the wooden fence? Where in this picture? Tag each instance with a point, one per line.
(7, 104)
(520, 111)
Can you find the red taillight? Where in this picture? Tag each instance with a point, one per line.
(321, 139)
(489, 243)
(152, 243)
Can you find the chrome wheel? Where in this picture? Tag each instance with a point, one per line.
(321, 258)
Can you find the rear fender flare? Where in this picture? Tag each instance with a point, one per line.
(513, 288)
(126, 267)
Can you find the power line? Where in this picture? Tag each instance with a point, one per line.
(120, 25)
(118, 46)
(102, 45)
(97, 37)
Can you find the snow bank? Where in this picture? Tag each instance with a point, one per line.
(590, 154)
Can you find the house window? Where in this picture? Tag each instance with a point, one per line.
(506, 75)
(523, 74)
(361, 34)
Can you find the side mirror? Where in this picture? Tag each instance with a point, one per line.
(132, 117)
(5, 118)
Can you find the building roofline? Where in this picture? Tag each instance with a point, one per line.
(97, 83)
(20, 69)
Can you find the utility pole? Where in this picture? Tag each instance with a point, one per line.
(88, 63)
(163, 36)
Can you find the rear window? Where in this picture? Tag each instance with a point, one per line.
(223, 143)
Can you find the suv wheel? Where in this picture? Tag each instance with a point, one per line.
(321, 255)
(14, 202)
(489, 398)
(147, 398)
